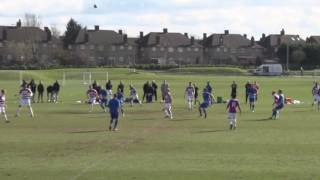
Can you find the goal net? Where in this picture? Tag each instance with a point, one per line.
(84, 78)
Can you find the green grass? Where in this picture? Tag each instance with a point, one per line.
(64, 141)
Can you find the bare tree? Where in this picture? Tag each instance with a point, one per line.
(32, 20)
(55, 31)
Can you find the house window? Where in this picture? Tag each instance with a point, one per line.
(225, 49)
(121, 59)
(180, 50)
(44, 45)
(92, 58)
(44, 57)
(188, 49)
(54, 46)
(70, 47)
(1, 45)
(113, 48)
(21, 45)
(162, 49)
(91, 47)
(121, 48)
(9, 57)
(154, 49)
(129, 48)
(101, 48)
(82, 47)
(196, 49)
(170, 49)
(218, 49)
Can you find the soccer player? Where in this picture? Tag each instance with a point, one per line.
(3, 105)
(279, 102)
(134, 95)
(155, 90)
(145, 89)
(109, 89)
(252, 93)
(196, 93)
(164, 88)
(318, 98)
(168, 104)
(207, 102)
(55, 91)
(314, 92)
(40, 89)
(121, 87)
(26, 95)
(33, 87)
(103, 97)
(209, 88)
(114, 108)
(92, 95)
(120, 97)
(247, 86)
(234, 89)
(232, 106)
(190, 91)
(257, 87)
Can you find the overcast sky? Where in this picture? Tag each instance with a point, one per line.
(252, 17)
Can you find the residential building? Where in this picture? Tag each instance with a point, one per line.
(168, 48)
(105, 47)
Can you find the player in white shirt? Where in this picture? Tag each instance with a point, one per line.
(3, 104)
(134, 95)
(190, 91)
(315, 90)
(26, 95)
(168, 104)
(92, 95)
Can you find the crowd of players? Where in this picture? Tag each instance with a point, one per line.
(105, 97)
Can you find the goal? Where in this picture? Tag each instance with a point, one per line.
(84, 78)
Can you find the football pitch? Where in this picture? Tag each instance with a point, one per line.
(66, 142)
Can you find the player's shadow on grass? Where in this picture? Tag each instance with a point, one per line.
(177, 120)
(87, 131)
(261, 120)
(210, 131)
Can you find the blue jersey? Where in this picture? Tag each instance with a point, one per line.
(209, 88)
(252, 93)
(114, 105)
(206, 97)
(120, 97)
(281, 100)
(103, 93)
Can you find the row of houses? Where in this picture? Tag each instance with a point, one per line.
(25, 45)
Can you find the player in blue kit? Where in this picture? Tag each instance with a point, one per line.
(252, 92)
(207, 102)
(279, 104)
(103, 96)
(120, 97)
(114, 108)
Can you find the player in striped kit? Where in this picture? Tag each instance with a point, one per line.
(92, 95)
(315, 90)
(3, 105)
(134, 95)
(26, 95)
(190, 91)
(233, 105)
(168, 104)
(279, 101)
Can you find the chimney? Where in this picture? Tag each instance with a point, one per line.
(125, 38)
(157, 39)
(245, 35)
(192, 40)
(48, 32)
(226, 32)
(141, 34)
(263, 36)
(86, 37)
(252, 41)
(19, 24)
(96, 28)
(186, 34)
(282, 32)
(165, 30)
(120, 31)
(204, 36)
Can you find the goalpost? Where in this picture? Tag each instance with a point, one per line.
(84, 77)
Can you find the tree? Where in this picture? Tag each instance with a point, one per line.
(71, 33)
(298, 56)
(55, 31)
(31, 20)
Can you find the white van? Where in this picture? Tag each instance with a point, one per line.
(269, 70)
